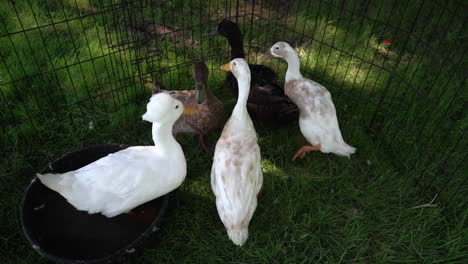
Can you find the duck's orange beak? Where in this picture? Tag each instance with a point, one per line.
(188, 110)
(226, 67)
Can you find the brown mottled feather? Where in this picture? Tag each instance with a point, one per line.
(209, 114)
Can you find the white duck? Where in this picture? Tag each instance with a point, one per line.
(236, 174)
(123, 180)
(317, 118)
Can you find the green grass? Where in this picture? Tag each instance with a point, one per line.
(402, 106)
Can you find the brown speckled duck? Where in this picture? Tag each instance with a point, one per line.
(210, 112)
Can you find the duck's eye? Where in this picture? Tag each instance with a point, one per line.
(234, 64)
(177, 106)
(276, 47)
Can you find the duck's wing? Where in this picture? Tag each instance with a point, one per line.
(118, 173)
(264, 71)
(187, 97)
(316, 99)
(117, 177)
(317, 106)
(209, 116)
(184, 96)
(236, 179)
(274, 115)
(263, 83)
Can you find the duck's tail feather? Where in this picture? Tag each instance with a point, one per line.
(53, 181)
(238, 235)
(344, 149)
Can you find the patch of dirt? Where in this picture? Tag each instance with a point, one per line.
(150, 30)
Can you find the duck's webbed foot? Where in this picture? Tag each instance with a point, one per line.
(304, 149)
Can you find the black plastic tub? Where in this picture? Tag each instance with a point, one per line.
(63, 234)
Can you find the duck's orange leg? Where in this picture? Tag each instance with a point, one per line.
(304, 149)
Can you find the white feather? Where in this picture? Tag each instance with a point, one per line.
(236, 174)
(123, 180)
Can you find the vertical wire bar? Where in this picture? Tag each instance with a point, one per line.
(285, 24)
(124, 60)
(90, 54)
(93, 15)
(164, 23)
(332, 48)
(10, 109)
(201, 35)
(277, 19)
(353, 50)
(123, 65)
(314, 71)
(420, 130)
(18, 94)
(436, 79)
(250, 29)
(382, 98)
(209, 42)
(443, 115)
(156, 44)
(108, 74)
(186, 31)
(78, 59)
(237, 11)
(388, 129)
(389, 80)
(67, 65)
(244, 32)
(374, 25)
(297, 14)
(425, 73)
(136, 50)
(108, 38)
(265, 39)
(176, 48)
(312, 36)
(216, 40)
(381, 67)
(133, 77)
(413, 53)
(301, 40)
(348, 28)
(53, 67)
(21, 64)
(306, 18)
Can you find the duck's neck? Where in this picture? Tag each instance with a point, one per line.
(163, 138)
(237, 48)
(293, 72)
(208, 94)
(240, 109)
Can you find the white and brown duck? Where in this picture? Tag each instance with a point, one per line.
(236, 174)
(317, 113)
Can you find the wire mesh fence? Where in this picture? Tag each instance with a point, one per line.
(396, 69)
